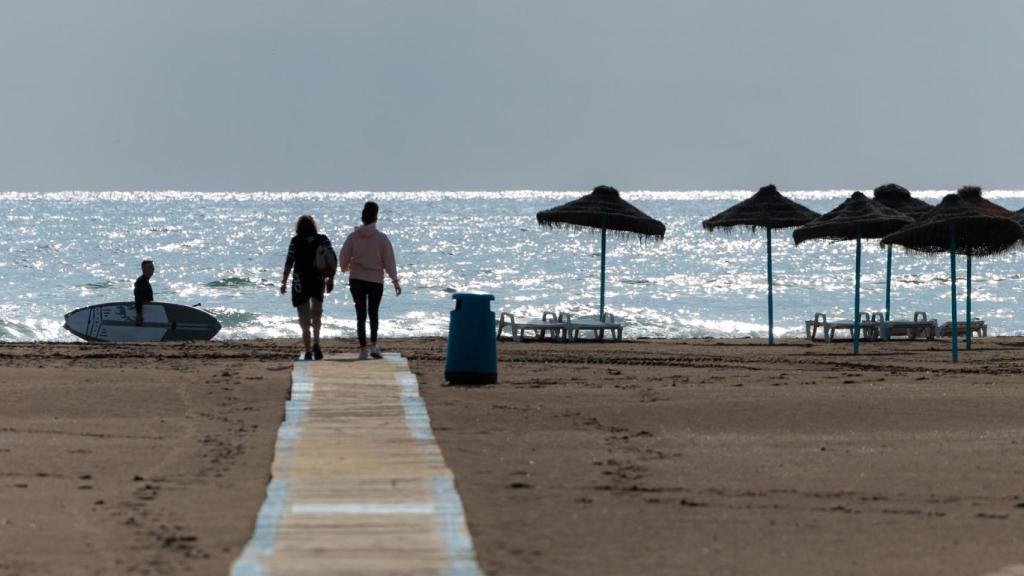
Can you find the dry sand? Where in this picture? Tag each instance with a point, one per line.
(649, 457)
(729, 457)
(135, 459)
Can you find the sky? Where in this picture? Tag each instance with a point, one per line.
(516, 94)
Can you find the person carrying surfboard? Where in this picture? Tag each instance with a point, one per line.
(366, 255)
(311, 264)
(143, 290)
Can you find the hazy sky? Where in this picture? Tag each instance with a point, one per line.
(488, 94)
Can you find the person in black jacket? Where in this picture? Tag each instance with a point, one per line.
(308, 282)
(143, 290)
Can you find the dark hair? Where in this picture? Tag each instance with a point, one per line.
(370, 210)
(144, 262)
(305, 226)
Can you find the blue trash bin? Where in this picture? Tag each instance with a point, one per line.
(472, 356)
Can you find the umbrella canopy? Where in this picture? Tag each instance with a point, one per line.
(603, 208)
(898, 198)
(959, 225)
(857, 215)
(972, 194)
(765, 209)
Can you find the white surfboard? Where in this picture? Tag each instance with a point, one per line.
(162, 322)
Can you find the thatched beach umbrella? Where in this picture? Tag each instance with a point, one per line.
(958, 227)
(604, 209)
(766, 209)
(898, 198)
(856, 218)
(972, 194)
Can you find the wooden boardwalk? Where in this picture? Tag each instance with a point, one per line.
(359, 486)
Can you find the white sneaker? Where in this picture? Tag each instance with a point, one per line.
(364, 353)
(375, 351)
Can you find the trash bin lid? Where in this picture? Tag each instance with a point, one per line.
(470, 295)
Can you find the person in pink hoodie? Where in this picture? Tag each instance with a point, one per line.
(366, 255)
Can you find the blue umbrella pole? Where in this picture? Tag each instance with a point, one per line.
(888, 281)
(952, 285)
(968, 334)
(771, 311)
(604, 233)
(856, 300)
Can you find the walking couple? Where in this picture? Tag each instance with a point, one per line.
(366, 255)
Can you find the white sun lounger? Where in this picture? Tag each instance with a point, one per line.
(920, 326)
(574, 327)
(870, 326)
(978, 327)
(548, 323)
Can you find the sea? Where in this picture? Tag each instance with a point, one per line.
(225, 251)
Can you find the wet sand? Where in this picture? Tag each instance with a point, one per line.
(647, 457)
(727, 457)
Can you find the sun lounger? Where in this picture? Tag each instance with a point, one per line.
(920, 326)
(870, 326)
(977, 327)
(548, 323)
(574, 327)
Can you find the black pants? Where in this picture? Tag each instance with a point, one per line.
(367, 296)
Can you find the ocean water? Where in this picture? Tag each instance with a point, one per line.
(225, 250)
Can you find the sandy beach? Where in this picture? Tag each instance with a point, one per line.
(189, 191)
(652, 456)
(135, 459)
(729, 457)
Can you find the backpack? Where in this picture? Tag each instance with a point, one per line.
(325, 260)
